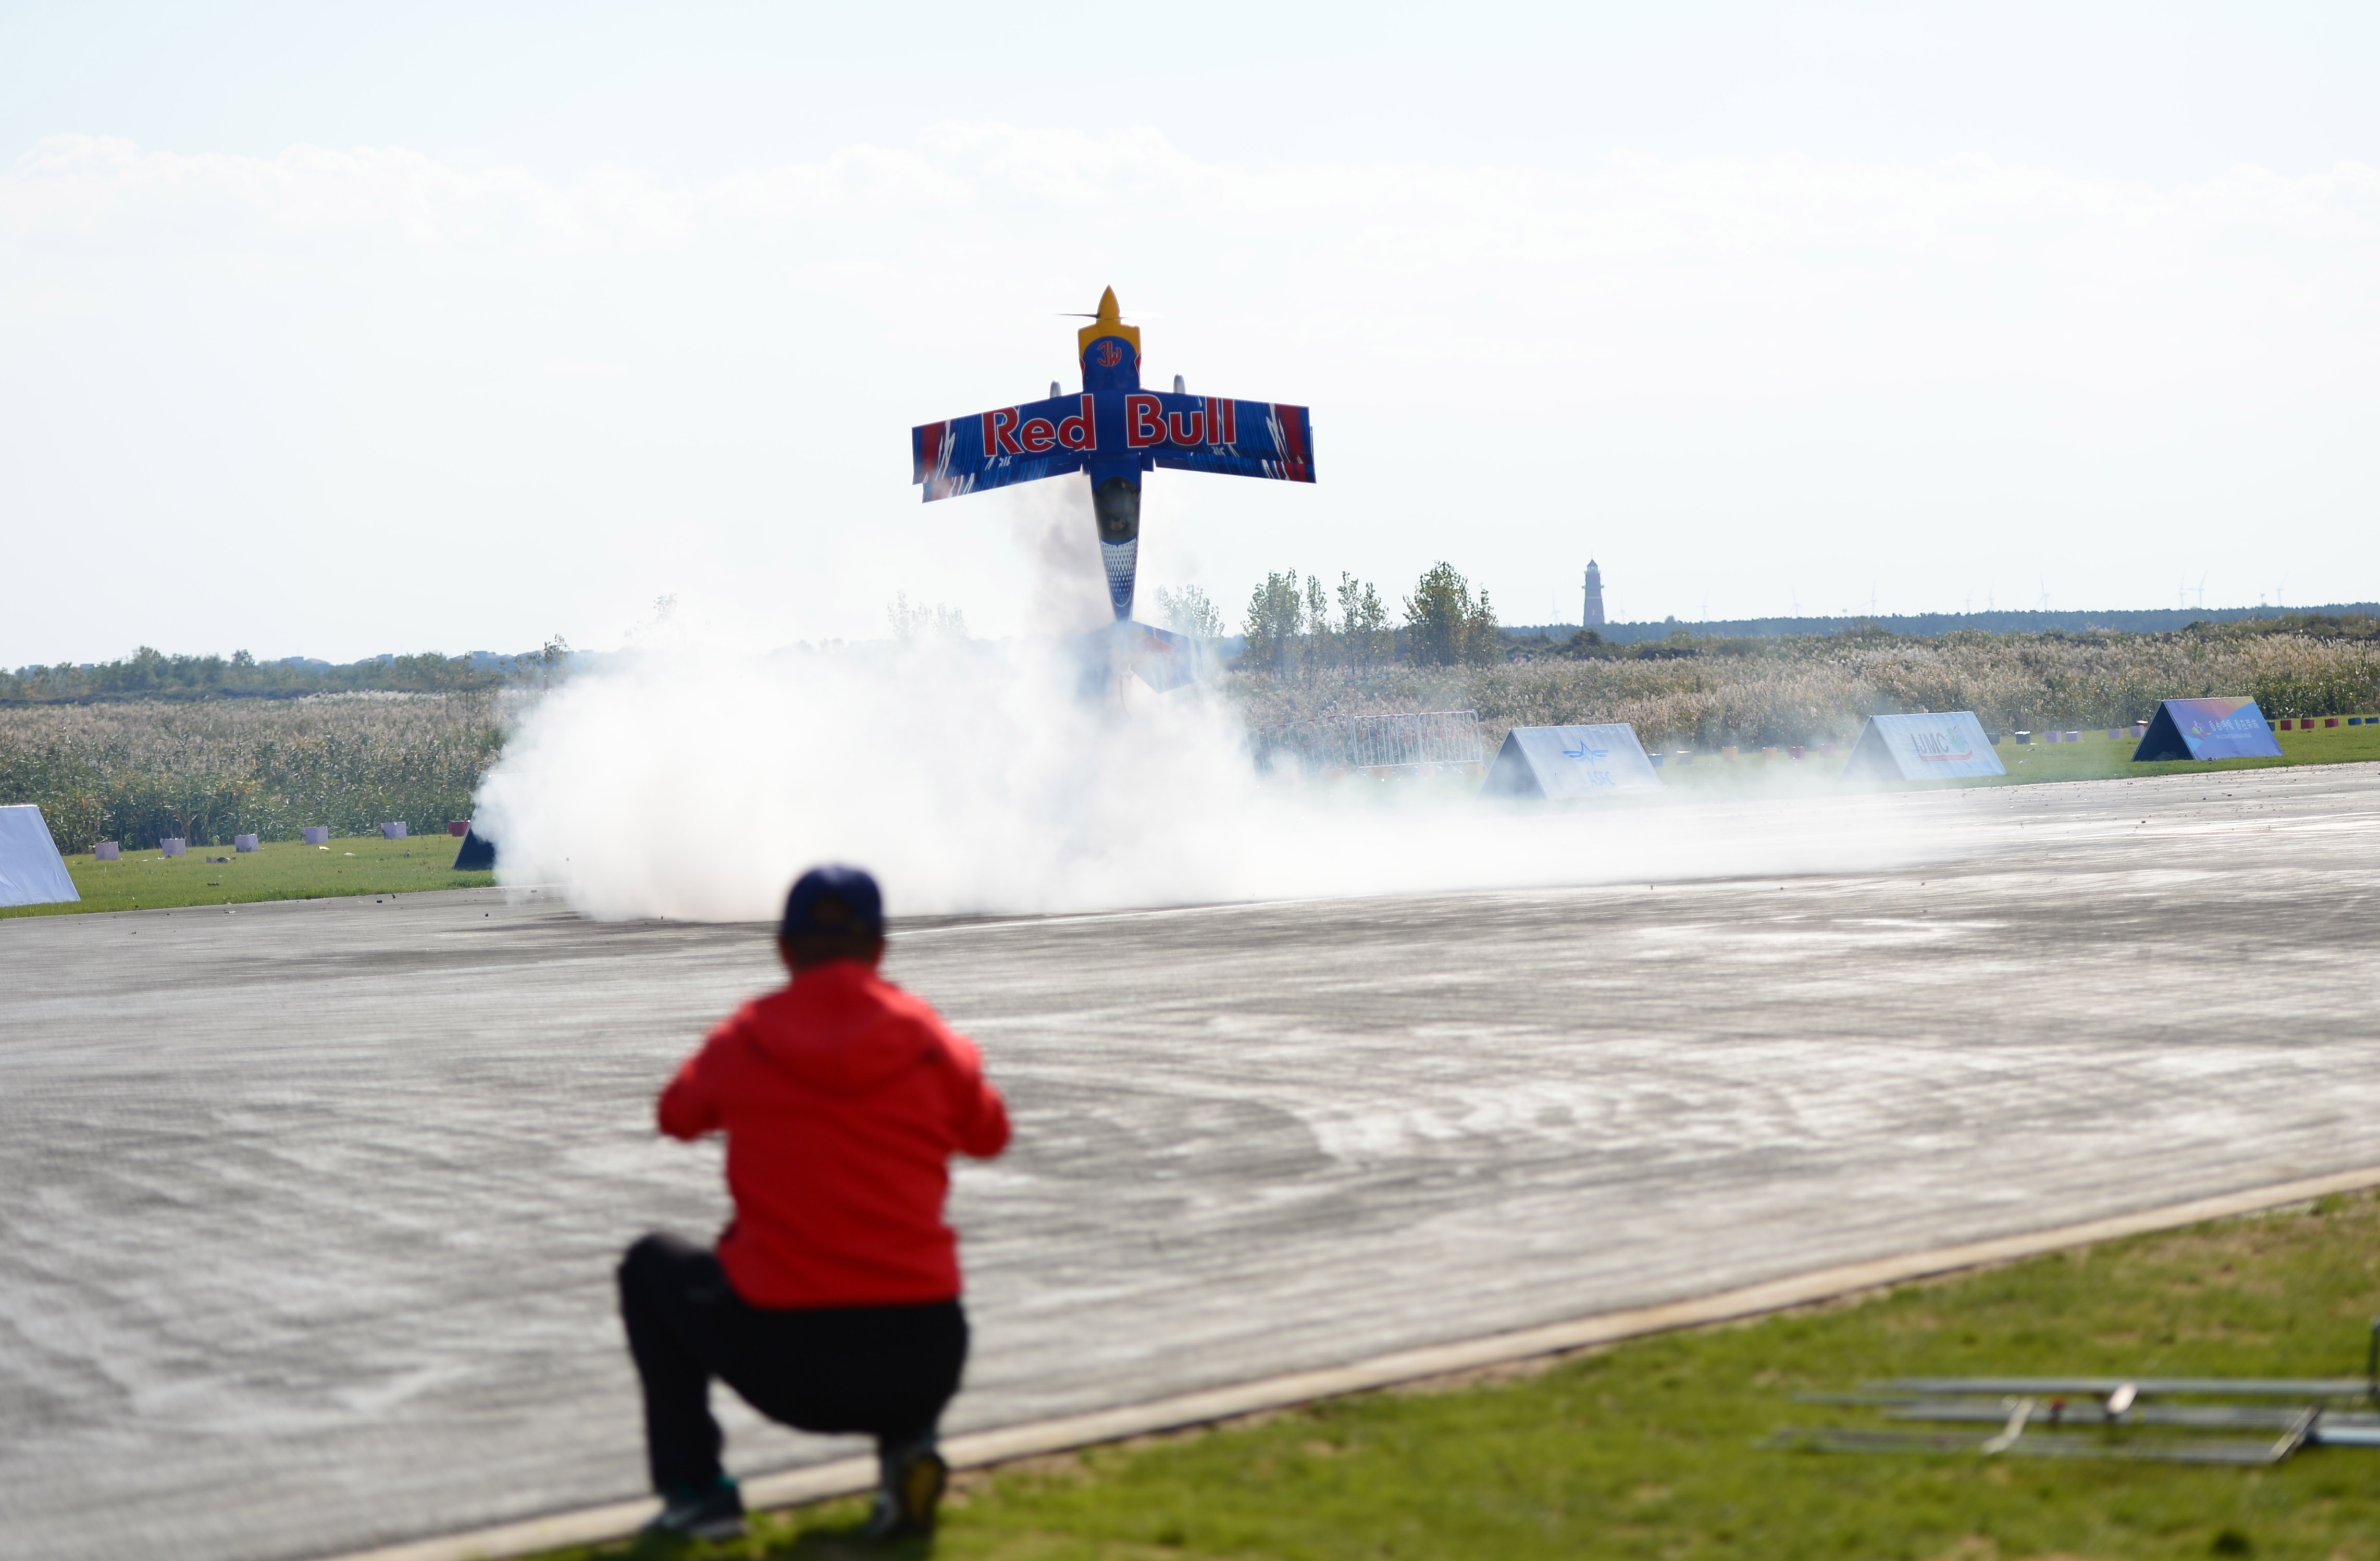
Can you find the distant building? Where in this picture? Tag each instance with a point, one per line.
(1594, 595)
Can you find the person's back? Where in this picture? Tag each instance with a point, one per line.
(832, 1303)
(842, 1098)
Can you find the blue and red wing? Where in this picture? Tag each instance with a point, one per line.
(1008, 444)
(1109, 429)
(1215, 434)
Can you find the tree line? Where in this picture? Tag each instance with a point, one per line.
(149, 673)
(1295, 624)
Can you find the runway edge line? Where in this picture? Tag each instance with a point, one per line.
(978, 1449)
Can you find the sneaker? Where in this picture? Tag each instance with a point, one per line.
(912, 1489)
(696, 1513)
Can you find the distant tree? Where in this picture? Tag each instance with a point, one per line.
(911, 624)
(545, 666)
(1187, 612)
(1276, 617)
(1321, 646)
(1364, 631)
(1445, 627)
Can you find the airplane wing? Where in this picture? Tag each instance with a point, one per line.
(1234, 438)
(1038, 438)
(1008, 444)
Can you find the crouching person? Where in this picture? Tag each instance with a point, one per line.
(831, 1300)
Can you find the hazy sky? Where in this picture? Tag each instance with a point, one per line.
(338, 330)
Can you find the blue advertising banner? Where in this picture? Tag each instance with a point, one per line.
(1948, 745)
(2208, 729)
(1562, 762)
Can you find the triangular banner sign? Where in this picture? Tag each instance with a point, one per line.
(2208, 729)
(1559, 762)
(31, 871)
(1948, 745)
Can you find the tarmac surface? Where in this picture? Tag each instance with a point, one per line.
(313, 1208)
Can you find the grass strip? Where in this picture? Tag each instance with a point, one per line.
(1646, 1449)
(150, 880)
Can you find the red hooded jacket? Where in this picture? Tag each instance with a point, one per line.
(842, 1098)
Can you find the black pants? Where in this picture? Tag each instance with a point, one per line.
(886, 1371)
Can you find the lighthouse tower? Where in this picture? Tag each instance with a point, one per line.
(1594, 595)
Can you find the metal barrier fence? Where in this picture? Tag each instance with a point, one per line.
(1429, 741)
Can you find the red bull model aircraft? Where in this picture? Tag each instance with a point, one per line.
(1114, 432)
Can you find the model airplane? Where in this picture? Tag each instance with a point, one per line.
(1113, 432)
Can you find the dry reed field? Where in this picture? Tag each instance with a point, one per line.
(1810, 690)
(208, 770)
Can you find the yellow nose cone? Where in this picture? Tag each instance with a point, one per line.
(1109, 323)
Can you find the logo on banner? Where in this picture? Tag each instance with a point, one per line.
(1593, 759)
(1937, 747)
(2230, 726)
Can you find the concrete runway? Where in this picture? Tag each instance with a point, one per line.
(311, 1209)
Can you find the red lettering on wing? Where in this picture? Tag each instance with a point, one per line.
(1038, 434)
(1187, 429)
(1144, 420)
(1079, 432)
(1000, 433)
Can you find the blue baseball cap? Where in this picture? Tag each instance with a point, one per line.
(843, 901)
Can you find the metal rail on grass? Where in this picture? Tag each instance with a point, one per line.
(2101, 1417)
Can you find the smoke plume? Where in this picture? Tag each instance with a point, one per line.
(692, 781)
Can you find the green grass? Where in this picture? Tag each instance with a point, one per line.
(1649, 1449)
(149, 880)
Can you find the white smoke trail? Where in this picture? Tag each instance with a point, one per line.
(971, 778)
(694, 782)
